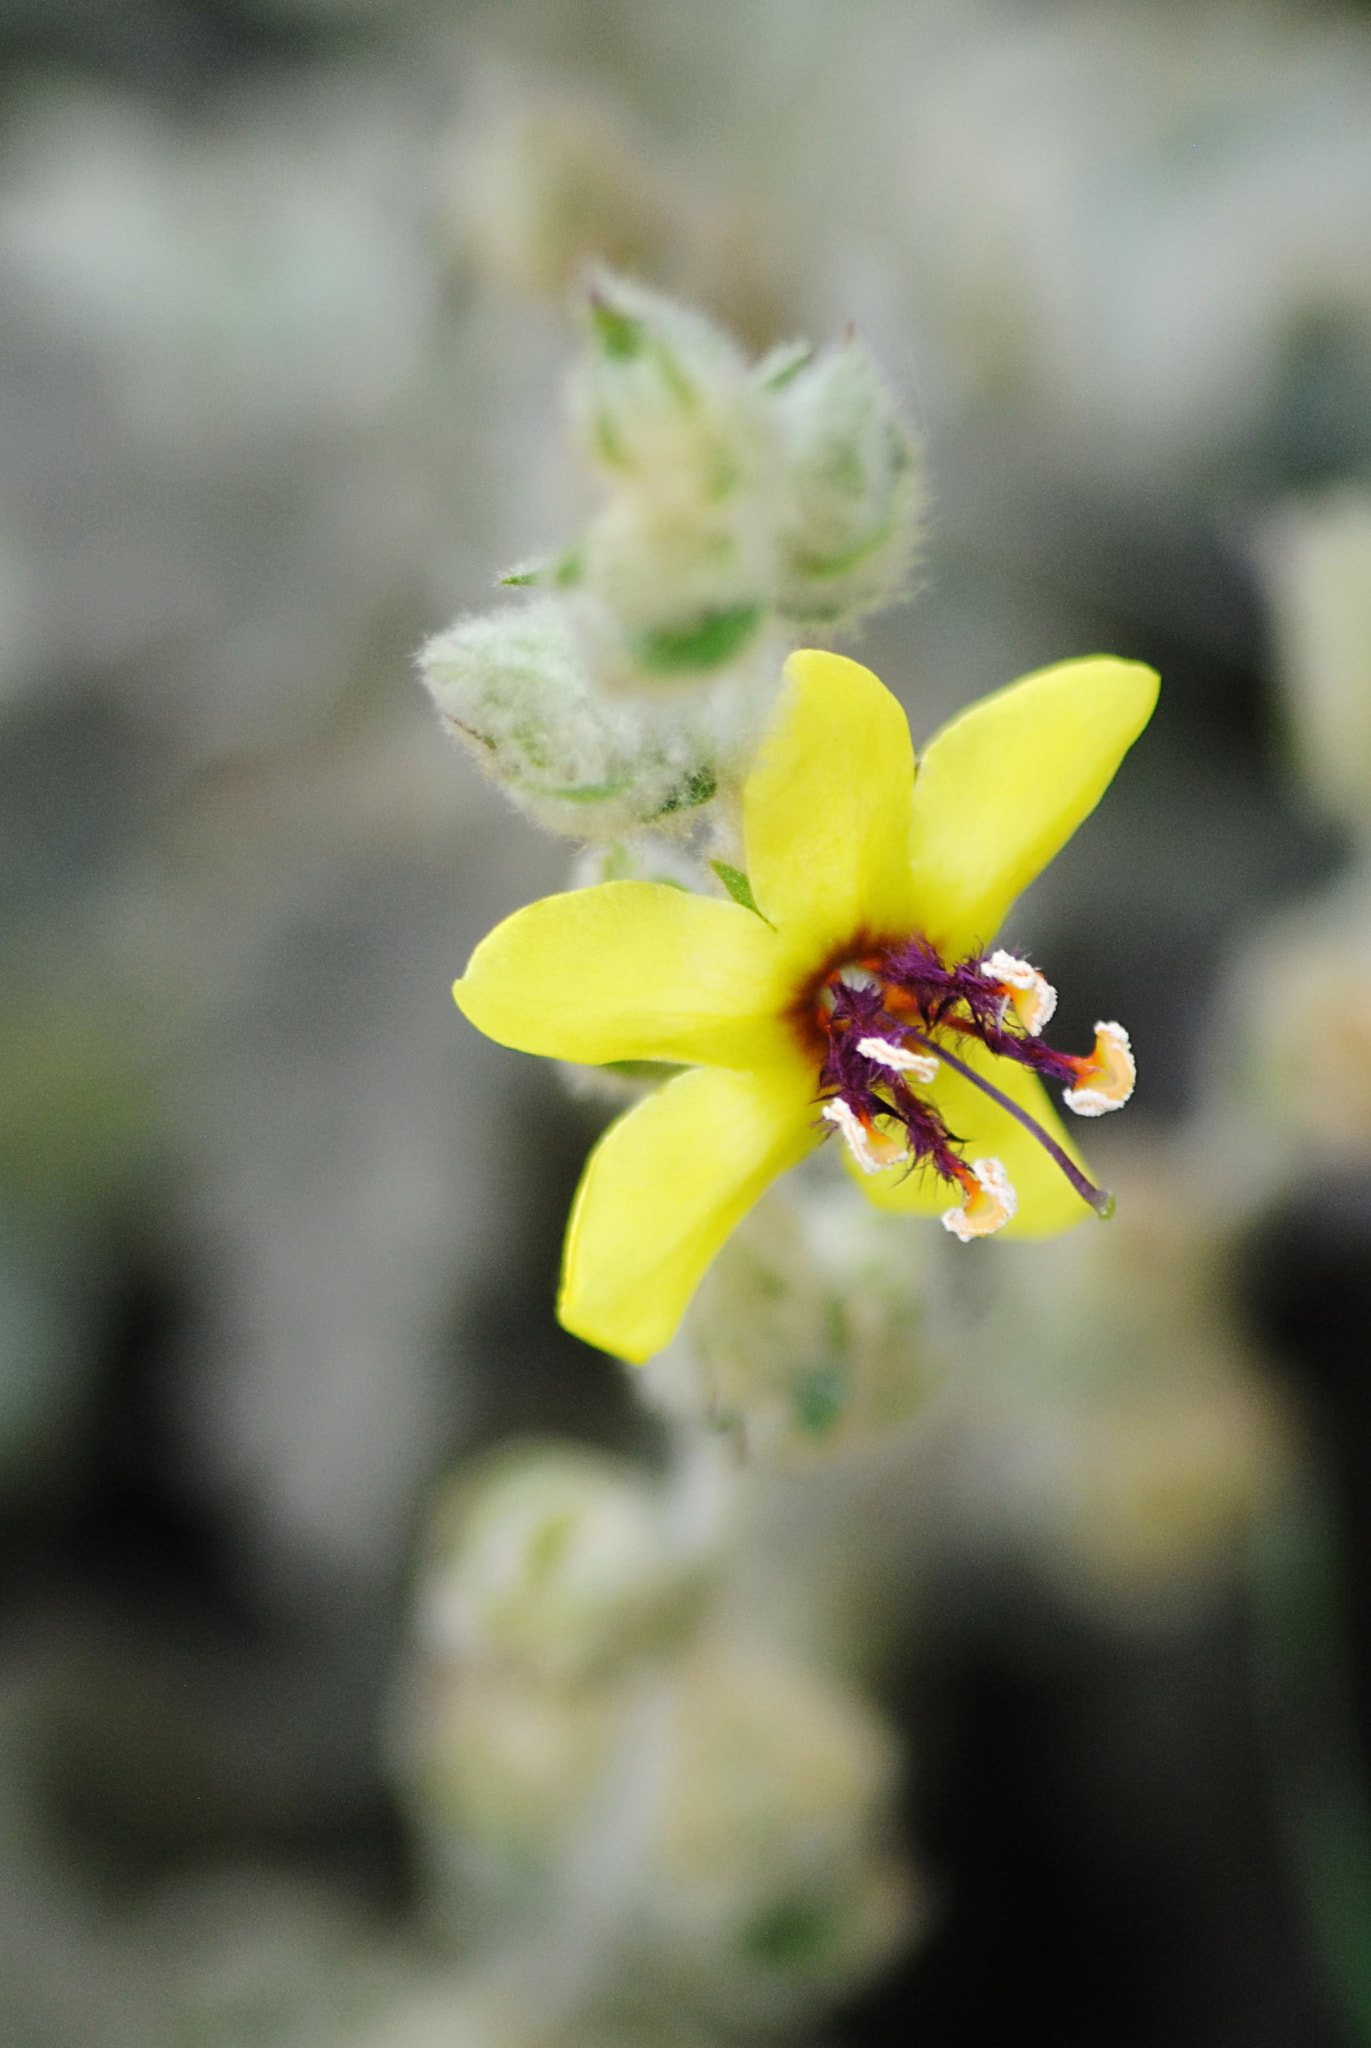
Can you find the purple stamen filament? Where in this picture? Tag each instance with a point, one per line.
(912, 977)
(1100, 1201)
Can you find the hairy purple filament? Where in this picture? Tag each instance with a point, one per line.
(904, 996)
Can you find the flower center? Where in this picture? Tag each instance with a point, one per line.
(889, 1020)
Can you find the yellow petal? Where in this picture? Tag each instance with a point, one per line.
(1048, 1203)
(663, 1189)
(1005, 785)
(628, 971)
(826, 810)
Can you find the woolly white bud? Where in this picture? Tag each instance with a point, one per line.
(516, 689)
(555, 1564)
(854, 488)
(1316, 562)
(807, 1332)
(539, 189)
(767, 1888)
(662, 391)
(498, 1769)
(682, 556)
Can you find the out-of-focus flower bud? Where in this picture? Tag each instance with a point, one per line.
(1147, 1506)
(500, 1771)
(769, 1888)
(526, 1994)
(808, 1331)
(516, 689)
(682, 556)
(662, 391)
(1316, 564)
(854, 485)
(1115, 1432)
(556, 1564)
(1295, 1049)
(539, 190)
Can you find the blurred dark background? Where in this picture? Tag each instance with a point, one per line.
(282, 323)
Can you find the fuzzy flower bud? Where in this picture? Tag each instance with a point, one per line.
(769, 1889)
(681, 558)
(854, 486)
(1316, 563)
(556, 1565)
(500, 1772)
(516, 689)
(539, 189)
(808, 1331)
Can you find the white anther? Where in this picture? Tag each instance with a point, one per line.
(922, 1065)
(1113, 1061)
(1034, 997)
(992, 1205)
(872, 1150)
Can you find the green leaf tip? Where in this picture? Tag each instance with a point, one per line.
(619, 334)
(737, 885)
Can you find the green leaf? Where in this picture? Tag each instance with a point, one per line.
(703, 643)
(697, 789)
(563, 572)
(581, 792)
(737, 885)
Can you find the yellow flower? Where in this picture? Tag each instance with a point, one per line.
(861, 971)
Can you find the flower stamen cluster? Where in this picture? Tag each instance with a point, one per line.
(886, 1023)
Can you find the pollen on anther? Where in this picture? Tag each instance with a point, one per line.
(922, 1065)
(1032, 995)
(872, 1149)
(987, 1205)
(1107, 1078)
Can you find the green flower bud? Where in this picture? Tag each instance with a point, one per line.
(516, 688)
(855, 486)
